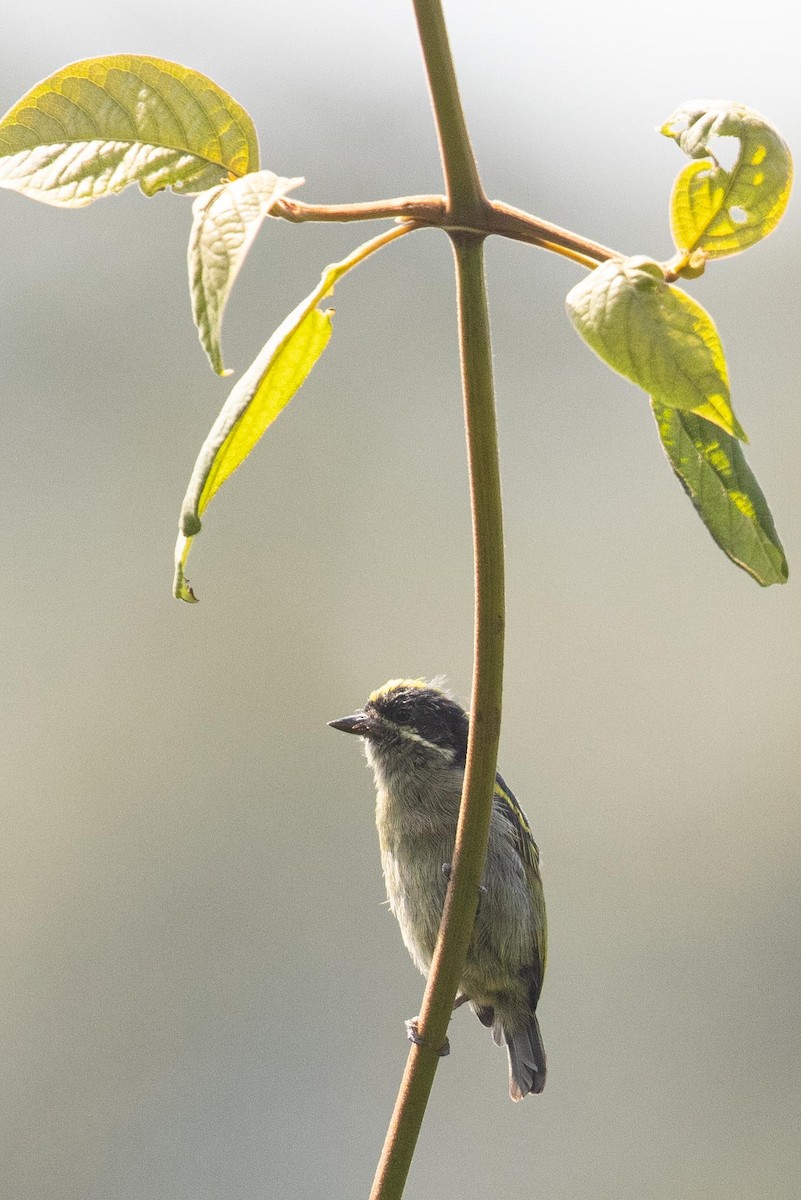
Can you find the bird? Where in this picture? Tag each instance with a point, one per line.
(415, 740)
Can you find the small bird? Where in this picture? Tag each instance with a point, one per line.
(415, 738)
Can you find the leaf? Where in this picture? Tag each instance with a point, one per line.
(712, 469)
(261, 394)
(102, 123)
(225, 222)
(656, 336)
(722, 212)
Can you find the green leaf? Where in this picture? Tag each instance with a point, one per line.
(261, 394)
(656, 336)
(102, 123)
(712, 469)
(717, 211)
(225, 222)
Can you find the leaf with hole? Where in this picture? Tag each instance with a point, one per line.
(101, 124)
(713, 471)
(656, 336)
(225, 222)
(720, 211)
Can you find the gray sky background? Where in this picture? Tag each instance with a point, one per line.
(202, 995)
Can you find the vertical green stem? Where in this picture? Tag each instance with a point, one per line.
(474, 816)
(466, 201)
(465, 197)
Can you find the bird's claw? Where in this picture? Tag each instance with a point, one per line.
(414, 1035)
(482, 891)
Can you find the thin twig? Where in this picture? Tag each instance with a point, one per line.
(464, 194)
(492, 217)
(466, 204)
(485, 722)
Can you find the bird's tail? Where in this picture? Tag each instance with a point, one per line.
(526, 1058)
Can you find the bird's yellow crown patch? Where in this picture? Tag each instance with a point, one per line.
(393, 685)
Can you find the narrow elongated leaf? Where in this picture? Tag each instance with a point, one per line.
(656, 336)
(722, 212)
(224, 225)
(100, 124)
(261, 394)
(712, 469)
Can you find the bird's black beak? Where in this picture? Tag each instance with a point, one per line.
(358, 723)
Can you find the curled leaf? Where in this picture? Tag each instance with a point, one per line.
(724, 211)
(100, 124)
(713, 471)
(656, 336)
(225, 222)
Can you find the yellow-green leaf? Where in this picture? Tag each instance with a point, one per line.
(224, 225)
(100, 124)
(716, 210)
(656, 336)
(261, 394)
(712, 469)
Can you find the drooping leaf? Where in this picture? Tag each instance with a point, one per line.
(656, 336)
(712, 469)
(717, 211)
(225, 222)
(100, 124)
(261, 394)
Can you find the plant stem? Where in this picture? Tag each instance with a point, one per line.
(494, 217)
(465, 203)
(465, 196)
(429, 209)
(485, 721)
(516, 223)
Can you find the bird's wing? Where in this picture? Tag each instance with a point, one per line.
(506, 804)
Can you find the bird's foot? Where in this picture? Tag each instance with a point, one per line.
(482, 891)
(414, 1035)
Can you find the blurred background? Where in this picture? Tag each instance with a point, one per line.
(202, 993)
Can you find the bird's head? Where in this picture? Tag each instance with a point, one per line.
(410, 718)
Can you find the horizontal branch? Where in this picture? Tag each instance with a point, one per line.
(431, 211)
